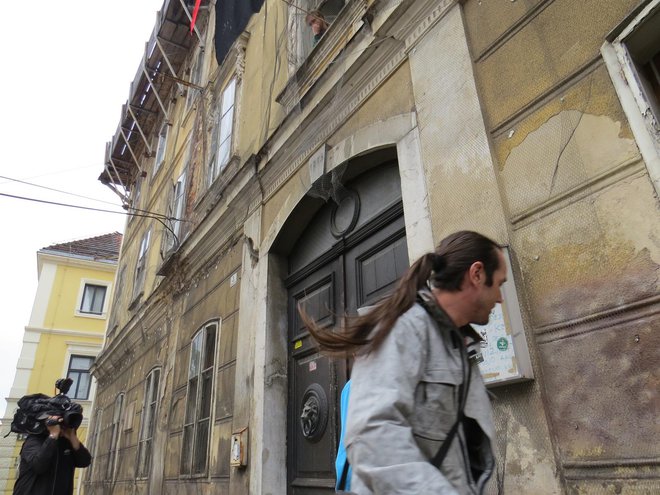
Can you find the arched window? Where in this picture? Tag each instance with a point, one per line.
(197, 421)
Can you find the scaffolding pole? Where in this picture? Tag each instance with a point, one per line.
(130, 148)
(151, 83)
(144, 138)
(185, 9)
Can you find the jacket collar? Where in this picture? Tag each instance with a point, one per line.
(443, 318)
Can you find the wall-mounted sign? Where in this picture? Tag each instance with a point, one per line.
(505, 352)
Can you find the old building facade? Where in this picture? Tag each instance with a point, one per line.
(299, 172)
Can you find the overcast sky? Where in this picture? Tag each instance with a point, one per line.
(66, 72)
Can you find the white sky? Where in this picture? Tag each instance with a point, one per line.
(66, 73)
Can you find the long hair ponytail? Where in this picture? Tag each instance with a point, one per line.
(443, 269)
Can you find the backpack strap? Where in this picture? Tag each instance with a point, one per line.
(425, 300)
(344, 476)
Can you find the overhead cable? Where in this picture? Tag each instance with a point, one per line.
(55, 190)
(89, 208)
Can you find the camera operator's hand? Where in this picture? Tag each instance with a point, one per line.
(71, 435)
(53, 425)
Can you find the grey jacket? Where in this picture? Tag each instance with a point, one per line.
(404, 400)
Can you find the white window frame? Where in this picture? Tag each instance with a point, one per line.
(218, 163)
(161, 147)
(80, 349)
(80, 371)
(81, 293)
(632, 94)
(141, 264)
(148, 423)
(115, 437)
(193, 414)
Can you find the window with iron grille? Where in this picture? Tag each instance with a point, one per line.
(197, 421)
(79, 372)
(148, 422)
(93, 299)
(115, 431)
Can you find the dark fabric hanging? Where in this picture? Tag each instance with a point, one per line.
(231, 17)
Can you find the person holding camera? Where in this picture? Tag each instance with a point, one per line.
(49, 460)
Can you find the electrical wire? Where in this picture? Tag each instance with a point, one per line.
(56, 172)
(161, 220)
(55, 190)
(89, 208)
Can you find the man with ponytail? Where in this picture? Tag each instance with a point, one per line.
(419, 417)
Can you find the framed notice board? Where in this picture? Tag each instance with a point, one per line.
(505, 352)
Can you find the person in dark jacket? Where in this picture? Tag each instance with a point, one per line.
(48, 461)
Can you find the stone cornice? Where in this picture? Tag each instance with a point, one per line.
(65, 331)
(78, 262)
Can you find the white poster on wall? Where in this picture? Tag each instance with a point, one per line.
(505, 351)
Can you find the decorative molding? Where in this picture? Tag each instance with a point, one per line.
(612, 469)
(516, 27)
(552, 93)
(76, 261)
(629, 169)
(64, 331)
(618, 315)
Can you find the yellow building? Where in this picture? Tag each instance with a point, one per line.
(65, 332)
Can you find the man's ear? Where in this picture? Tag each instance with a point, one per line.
(477, 273)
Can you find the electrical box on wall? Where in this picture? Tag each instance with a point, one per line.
(505, 352)
(239, 446)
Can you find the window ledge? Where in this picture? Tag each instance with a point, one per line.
(341, 31)
(136, 300)
(214, 192)
(93, 316)
(169, 261)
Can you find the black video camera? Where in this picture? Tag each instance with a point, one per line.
(34, 410)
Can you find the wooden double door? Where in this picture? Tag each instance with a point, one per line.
(355, 271)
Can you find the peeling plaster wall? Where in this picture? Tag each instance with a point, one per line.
(584, 226)
(465, 194)
(455, 151)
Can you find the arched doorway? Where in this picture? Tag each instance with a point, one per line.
(350, 254)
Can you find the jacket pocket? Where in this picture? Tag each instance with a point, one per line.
(436, 402)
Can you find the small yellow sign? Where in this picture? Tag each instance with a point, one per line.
(298, 344)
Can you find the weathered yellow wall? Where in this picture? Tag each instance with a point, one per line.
(49, 363)
(64, 299)
(584, 229)
(544, 49)
(266, 73)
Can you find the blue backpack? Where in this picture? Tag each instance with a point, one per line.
(342, 467)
